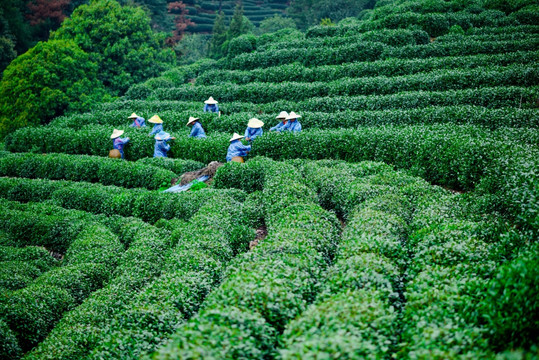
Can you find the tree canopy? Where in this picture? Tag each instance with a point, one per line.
(45, 81)
(120, 40)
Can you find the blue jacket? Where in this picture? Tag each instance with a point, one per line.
(293, 126)
(119, 143)
(211, 108)
(161, 148)
(138, 122)
(236, 148)
(253, 133)
(157, 128)
(197, 131)
(278, 127)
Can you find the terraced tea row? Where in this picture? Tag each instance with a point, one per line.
(175, 121)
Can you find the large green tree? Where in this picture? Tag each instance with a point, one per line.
(309, 12)
(236, 24)
(120, 40)
(218, 37)
(44, 82)
(7, 44)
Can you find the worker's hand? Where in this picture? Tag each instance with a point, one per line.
(248, 139)
(172, 138)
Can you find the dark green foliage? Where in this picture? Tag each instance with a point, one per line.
(510, 305)
(516, 75)
(129, 54)
(218, 36)
(9, 348)
(235, 28)
(98, 199)
(248, 176)
(43, 83)
(16, 275)
(505, 119)
(371, 51)
(364, 316)
(79, 280)
(33, 311)
(389, 67)
(86, 168)
(177, 166)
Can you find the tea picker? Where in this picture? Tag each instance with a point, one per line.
(138, 121)
(279, 127)
(210, 105)
(161, 147)
(254, 129)
(118, 144)
(197, 131)
(158, 125)
(236, 150)
(293, 124)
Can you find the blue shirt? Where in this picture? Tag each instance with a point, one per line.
(119, 143)
(278, 127)
(236, 148)
(293, 126)
(157, 128)
(197, 131)
(138, 122)
(253, 133)
(161, 148)
(211, 108)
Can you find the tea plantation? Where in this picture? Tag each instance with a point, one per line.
(402, 222)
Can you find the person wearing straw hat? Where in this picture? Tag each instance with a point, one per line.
(293, 124)
(158, 125)
(197, 131)
(210, 105)
(254, 129)
(236, 150)
(138, 121)
(279, 127)
(161, 147)
(118, 142)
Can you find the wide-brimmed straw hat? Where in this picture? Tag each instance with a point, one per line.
(236, 136)
(282, 115)
(211, 100)
(255, 123)
(292, 115)
(191, 119)
(133, 116)
(162, 136)
(116, 133)
(155, 120)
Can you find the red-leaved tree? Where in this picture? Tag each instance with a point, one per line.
(181, 22)
(43, 10)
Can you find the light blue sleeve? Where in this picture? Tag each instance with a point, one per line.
(206, 108)
(216, 108)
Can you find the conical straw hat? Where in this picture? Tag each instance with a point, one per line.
(292, 115)
(211, 100)
(162, 136)
(255, 123)
(155, 120)
(133, 116)
(282, 115)
(191, 119)
(116, 133)
(236, 136)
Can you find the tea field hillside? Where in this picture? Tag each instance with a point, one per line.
(400, 223)
(202, 14)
